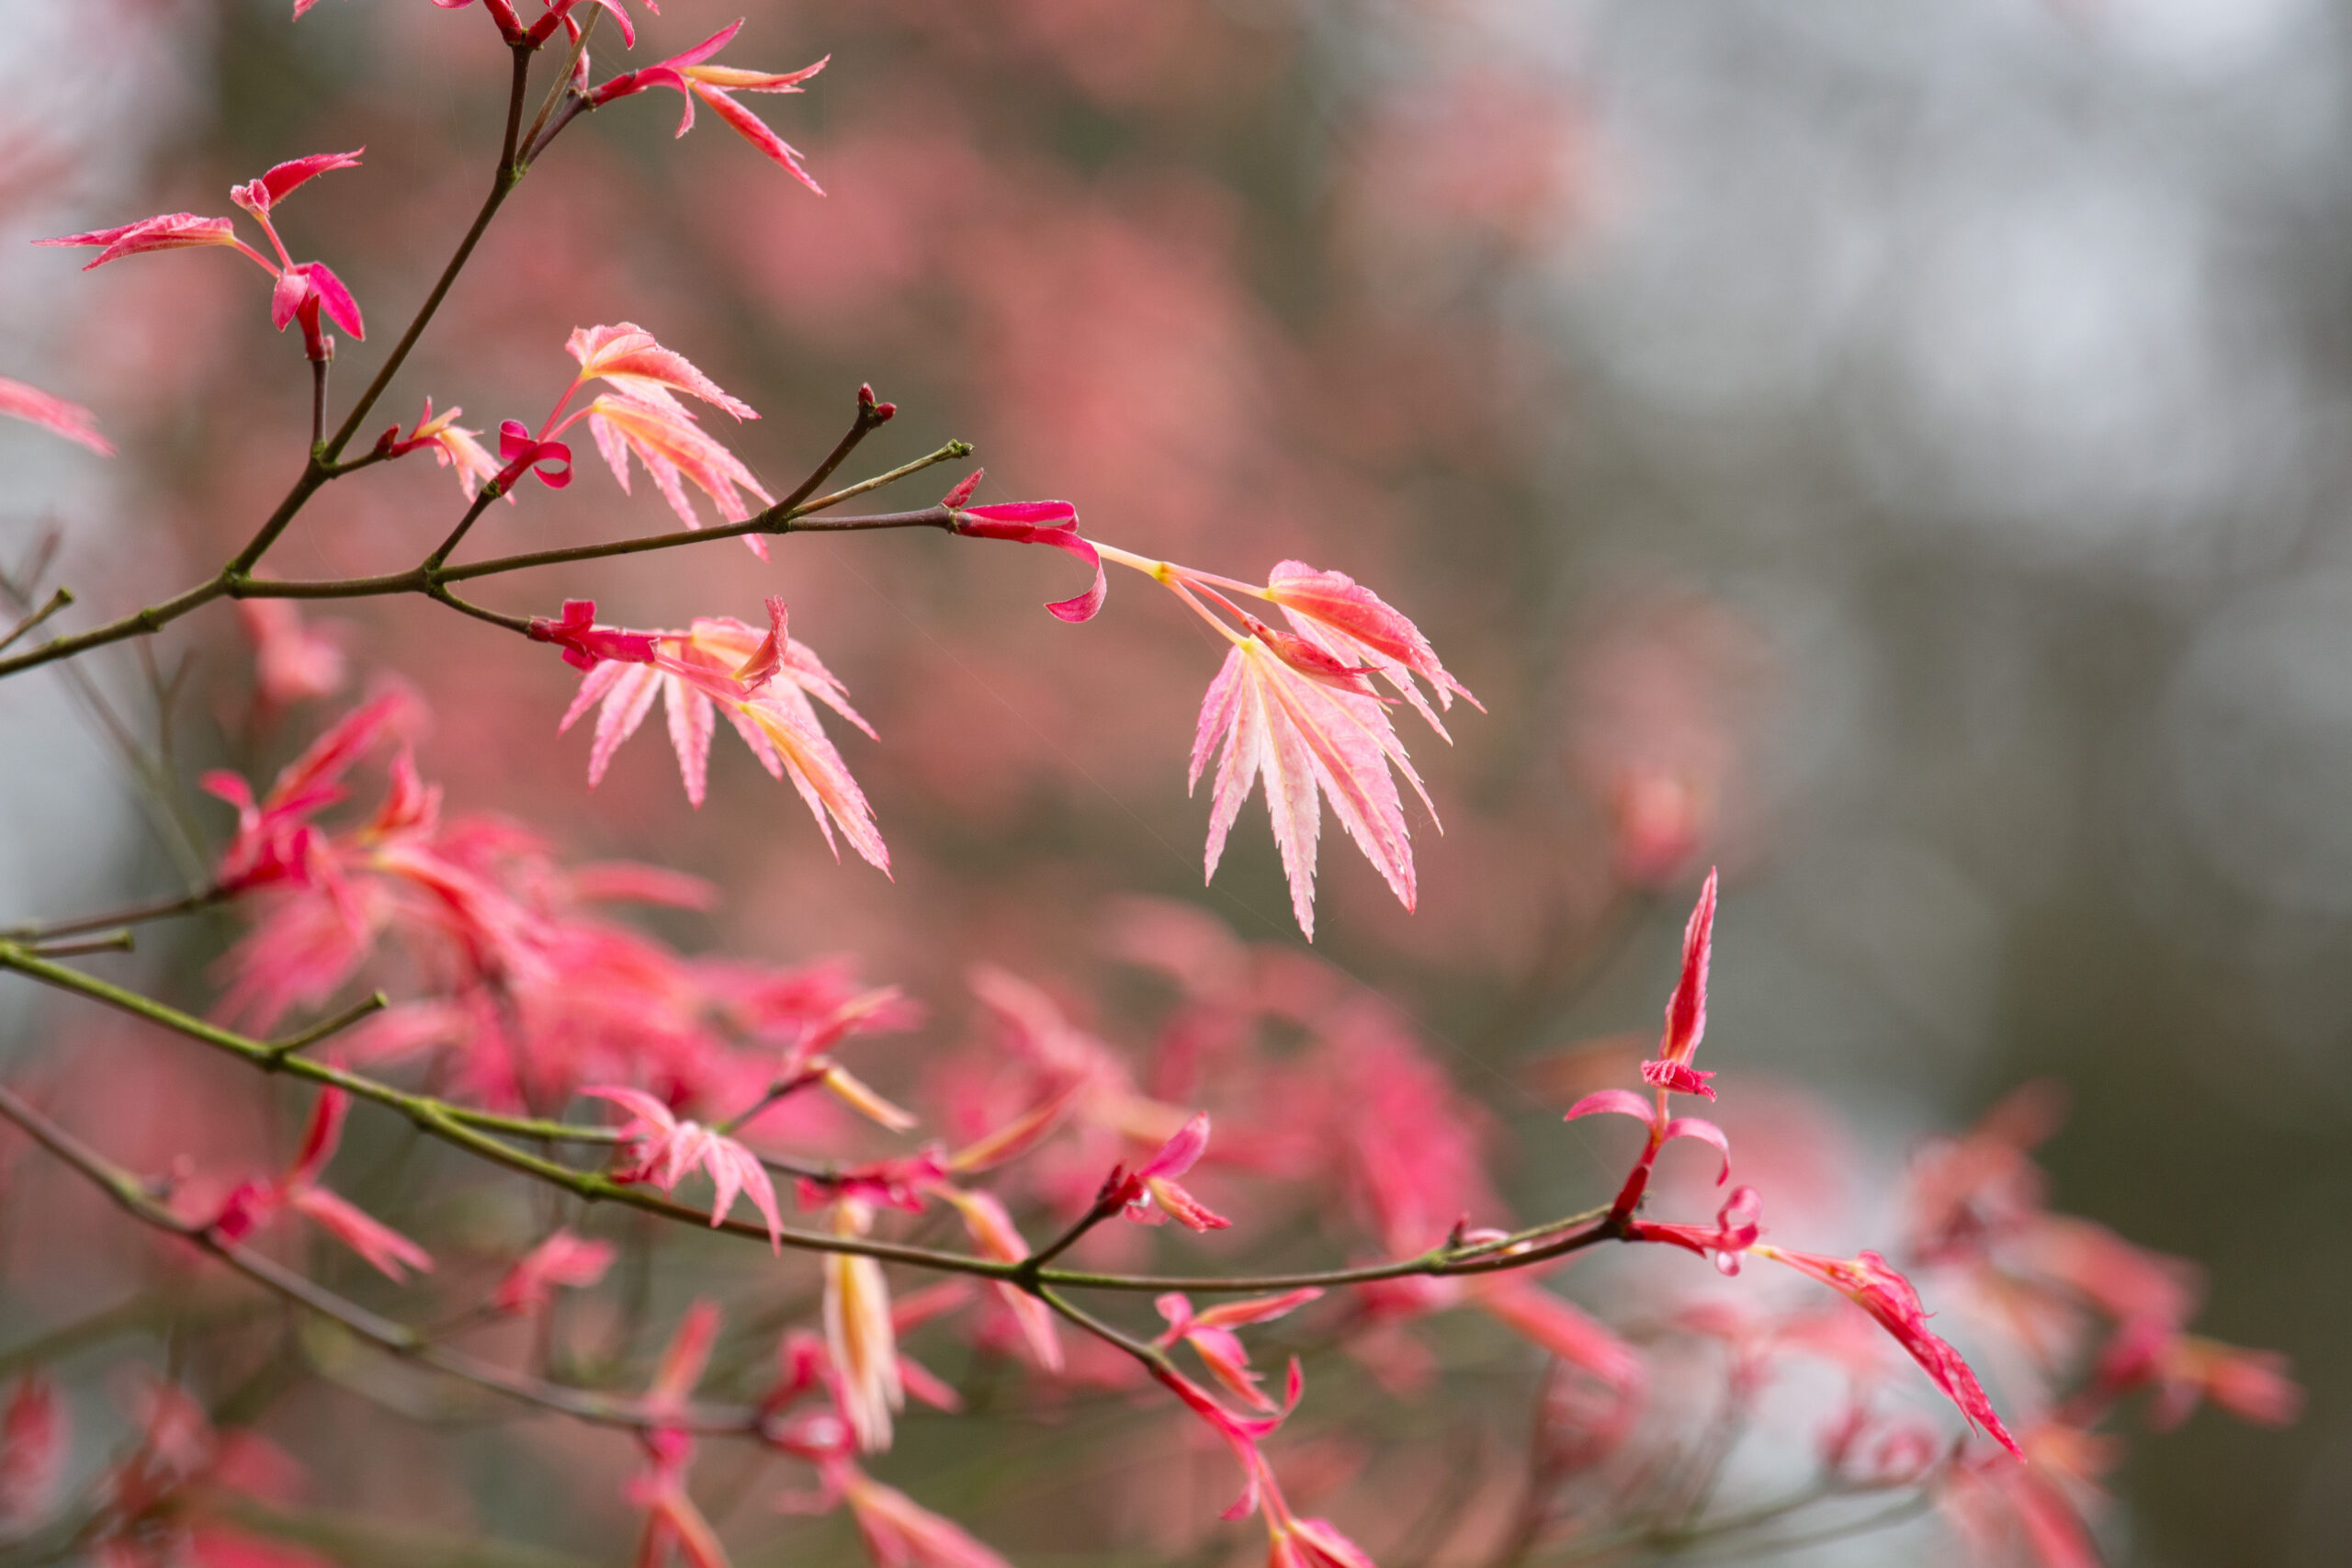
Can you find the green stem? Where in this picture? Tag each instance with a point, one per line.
(479, 1134)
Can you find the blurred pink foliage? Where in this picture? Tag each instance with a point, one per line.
(1021, 218)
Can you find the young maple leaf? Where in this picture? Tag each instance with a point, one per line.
(254, 1204)
(34, 1438)
(1212, 1337)
(1309, 734)
(764, 684)
(55, 414)
(1360, 627)
(673, 449)
(292, 660)
(671, 1516)
(898, 1533)
(666, 1148)
(994, 1235)
(1150, 1193)
(1671, 1072)
(630, 359)
(642, 416)
(453, 447)
(563, 1259)
(693, 77)
(859, 1338)
(300, 290)
(1871, 1283)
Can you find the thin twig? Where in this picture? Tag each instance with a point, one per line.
(870, 418)
(57, 601)
(1101, 1209)
(113, 942)
(137, 914)
(490, 492)
(501, 185)
(527, 148)
(321, 465)
(374, 1003)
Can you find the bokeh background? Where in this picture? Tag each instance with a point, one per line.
(1896, 452)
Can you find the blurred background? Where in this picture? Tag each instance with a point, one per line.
(1896, 453)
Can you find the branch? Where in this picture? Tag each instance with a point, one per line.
(431, 578)
(57, 601)
(376, 1002)
(1153, 1357)
(161, 908)
(776, 519)
(479, 1133)
(871, 417)
(1101, 1209)
(113, 942)
(131, 1196)
(503, 183)
(322, 465)
(490, 492)
(527, 149)
(138, 623)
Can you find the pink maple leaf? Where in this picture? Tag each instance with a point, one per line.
(563, 1259)
(258, 195)
(453, 446)
(1211, 1335)
(299, 290)
(699, 675)
(587, 645)
(1150, 1193)
(671, 1516)
(1671, 1073)
(276, 841)
(898, 1533)
(1871, 1283)
(693, 77)
(292, 660)
(665, 1149)
(55, 414)
(1357, 627)
(860, 1337)
(252, 1205)
(35, 1436)
(1050, 523)
(675, 450)
(164, 231)
(994, 1235)
(1309, 737)
(629, 356)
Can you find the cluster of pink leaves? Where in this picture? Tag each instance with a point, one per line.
(2034, 1286)
(1294, 709)
(1055, 1120)
(300, 291)
(2091, 1320)
(529, 990)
